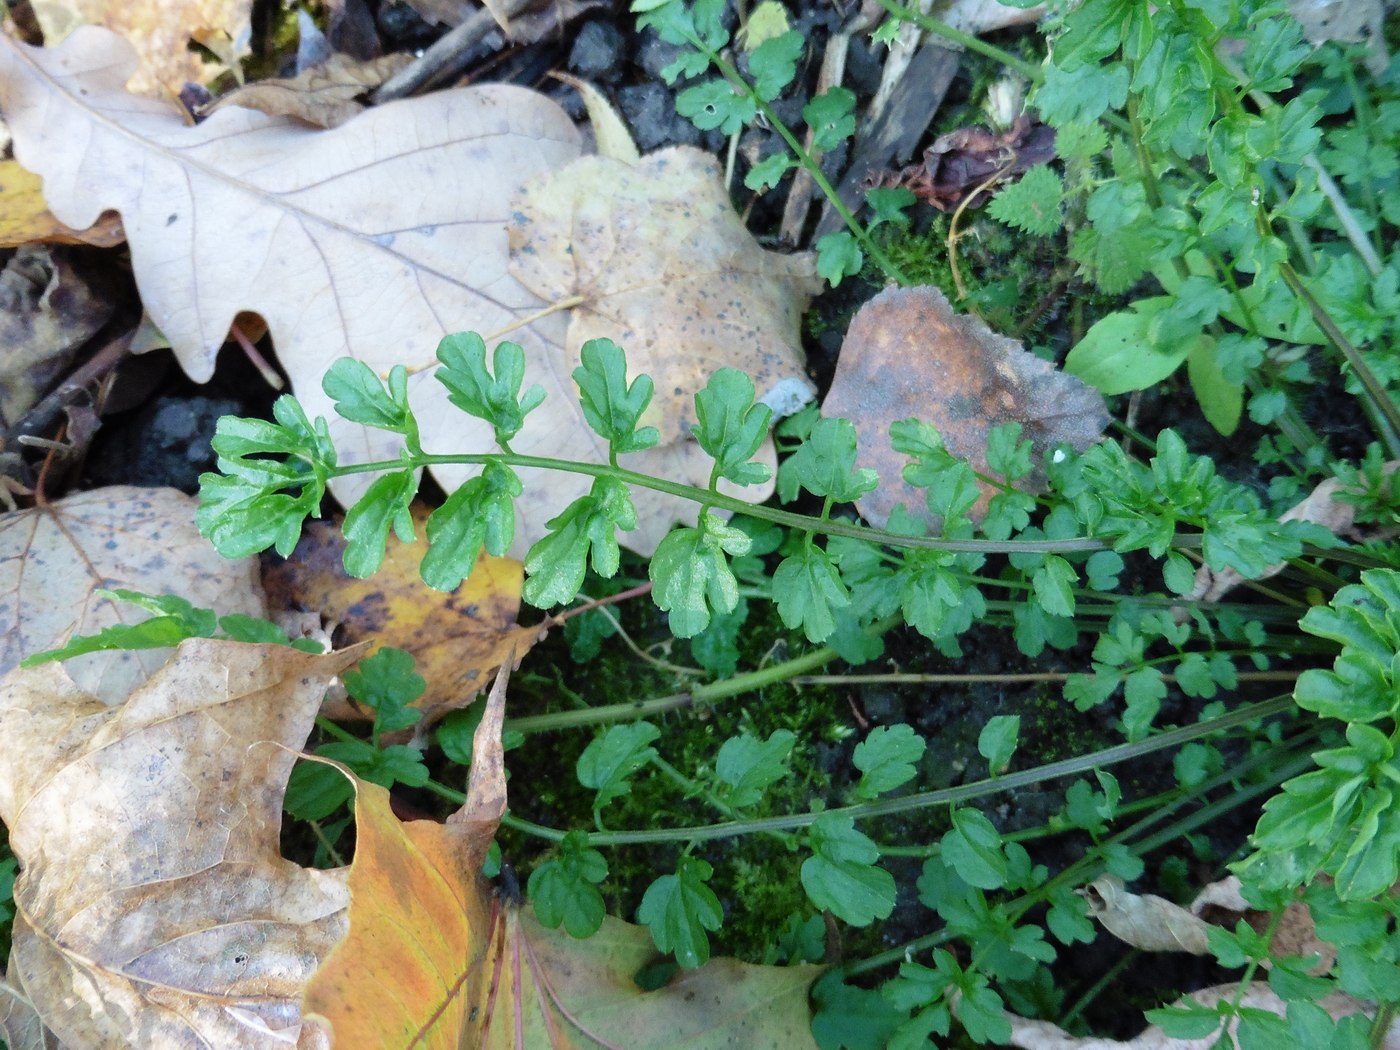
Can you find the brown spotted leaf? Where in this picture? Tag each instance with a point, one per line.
(907, 354)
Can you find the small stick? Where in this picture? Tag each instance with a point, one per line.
(444, 53)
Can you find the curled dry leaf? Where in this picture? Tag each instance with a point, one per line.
(1145, 921)
(375, 239)
(457, 639)
(908, 355)
(53, 558)
(162, 32)
(153, 907)
(447, 963)
(326, 95)
(48, 310)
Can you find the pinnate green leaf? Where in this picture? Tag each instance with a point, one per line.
(585, 533)
(730, 427)
(691, 576)
(564, 888)
(886, 759)
(679, 908)
(383, 506)
(496, 397)
(361, 397)
(825, 465)
(841, 875)
(838, 257)
(481, 513)
(611, 407)
(972, 847)
(747, 766)
(832, 117)
(997, 741)
(609, 761)
(808, 590)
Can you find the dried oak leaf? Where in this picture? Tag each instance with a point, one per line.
(458, 639)
(326, 95)
(153, 907)
(53, 558)
(908, 355)
(48, 310)
(962, 161)
(161, 31)
(710, 297)
(446, 963)
(371, 240)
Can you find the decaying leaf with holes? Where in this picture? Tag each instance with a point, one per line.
(53, 558)
(153, 907)
(907, 354)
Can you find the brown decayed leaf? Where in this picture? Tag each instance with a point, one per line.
(53, 558)
(47, 312)
(971, 160)
(326, 95)
(153, 908)
(26, 219)
(432, 955)
(457, 639)
(371, 240)
(908, 355)
(712, 297)
(161, 31)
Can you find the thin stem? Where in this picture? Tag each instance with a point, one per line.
(797, 522)
(1031, 72)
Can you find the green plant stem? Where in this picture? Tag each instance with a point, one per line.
(872, 248)
(697, 697)
(797, 522)
(942, 797)
(1381, 407)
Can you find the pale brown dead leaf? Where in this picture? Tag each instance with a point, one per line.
(710, 297)
(48, 310)
(1042, 1035)
(153, 907)
(1323, 506)
(161, 31)
(53, 558)
(326, 95)
(374, 240)
(1145, 921)
(907, 354)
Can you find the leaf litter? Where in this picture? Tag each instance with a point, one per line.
(377, 238)
(154, 908)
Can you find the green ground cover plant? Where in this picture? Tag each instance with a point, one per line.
(1229, 196)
